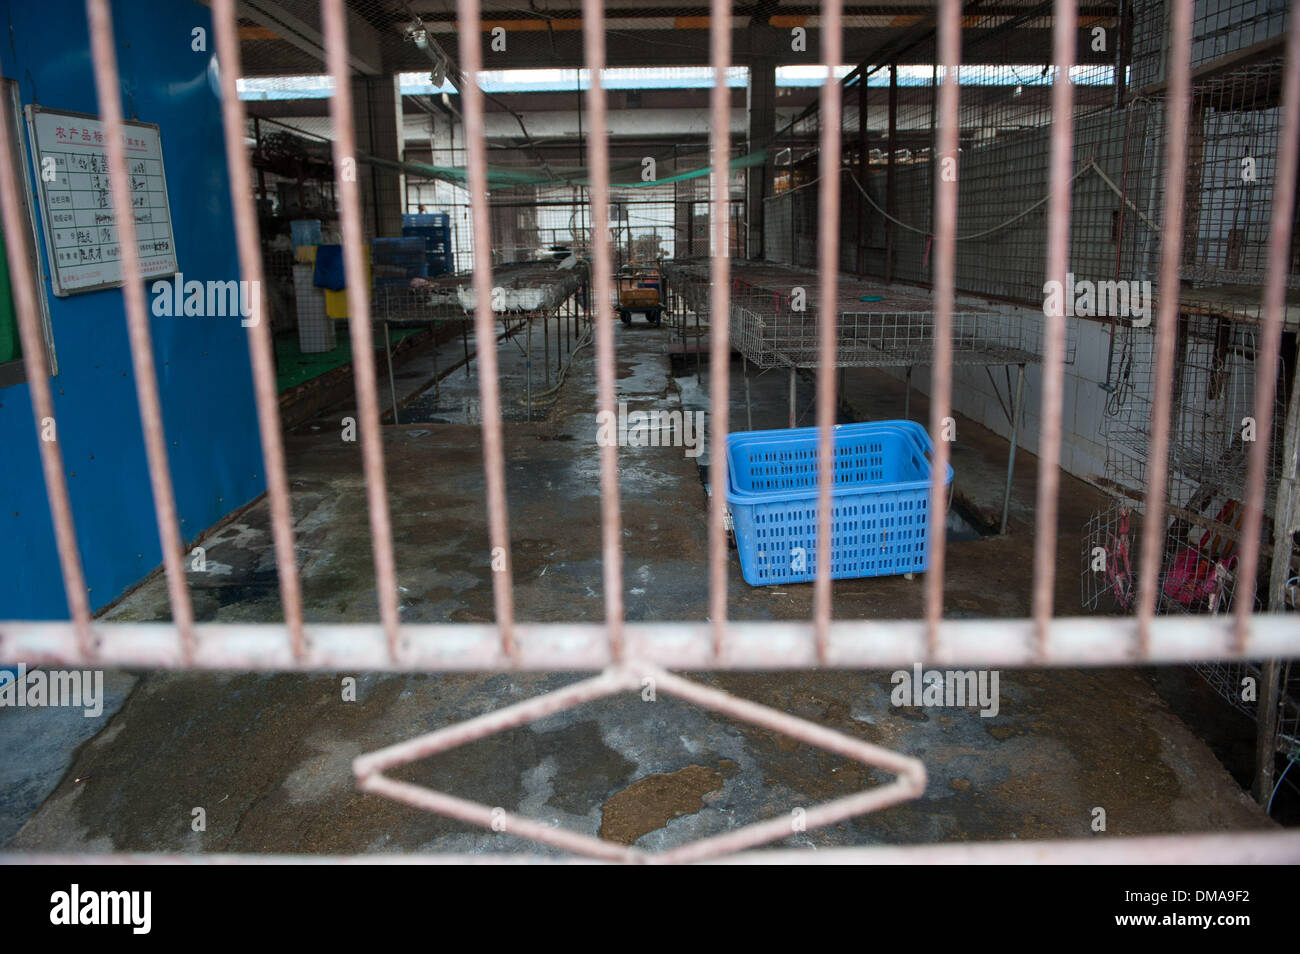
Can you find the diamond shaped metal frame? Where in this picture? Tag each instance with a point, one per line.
(909, 783)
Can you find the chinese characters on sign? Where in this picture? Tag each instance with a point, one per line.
(77, 206)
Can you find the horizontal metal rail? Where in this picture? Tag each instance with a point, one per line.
(851, 644)
(1256, 848)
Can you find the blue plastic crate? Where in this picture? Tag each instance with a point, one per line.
(427, 219)
(306, 231)
(880, 501)
(434, 238)
(397, 251)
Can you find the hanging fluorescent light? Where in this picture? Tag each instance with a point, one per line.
(426, 44)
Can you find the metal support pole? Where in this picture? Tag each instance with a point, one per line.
(464, 340)
(392, 384)
(793, 375)
(546, 350)
(749, 411)
(1015, 434)
(859, 253)
(1286, 515)
(1266, 728)
(907, 395)
(528, 367)
(437, 387)
(891, 191)
(684, 325)
(697, 345)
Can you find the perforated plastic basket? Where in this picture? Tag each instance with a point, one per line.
(880, 501)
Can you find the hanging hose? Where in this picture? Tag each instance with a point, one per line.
(551, 393)
(1090, 165)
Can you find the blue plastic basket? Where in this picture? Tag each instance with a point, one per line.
(438, 220)
(880, 501)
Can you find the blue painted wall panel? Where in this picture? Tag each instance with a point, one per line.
(202, 363)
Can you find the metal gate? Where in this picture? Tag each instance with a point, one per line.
(625, 654)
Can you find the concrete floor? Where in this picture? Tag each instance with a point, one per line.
(267, 756)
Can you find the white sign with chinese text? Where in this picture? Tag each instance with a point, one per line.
(81, 234)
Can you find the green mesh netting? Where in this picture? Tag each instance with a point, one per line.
(500, 176)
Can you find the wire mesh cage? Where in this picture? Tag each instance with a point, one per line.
(1108, 577)
(776, 314)
(1213, 424)
(421, 303)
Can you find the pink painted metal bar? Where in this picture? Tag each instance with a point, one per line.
(358, 294)
(945, 263)
(1241, 848)
(634, 677)
(489, 388)
(1279, 246)
(611, 518)
(369, 768)
(1177, 108)
(260, 347)
(18, 246)
(828, 253)
(910, 772)
(720, 313)
(467, 647)
(108, 90)
(1058, 264)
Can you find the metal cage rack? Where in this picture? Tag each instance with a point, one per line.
(775, 321)
(521, 293)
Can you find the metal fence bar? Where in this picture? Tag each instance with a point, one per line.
(1058, 264)
(1279, 249)
(908, 784)
(23, 282)
(334, 26)
(489, 387)
(851, 644)
(720, 310)
(108, 90)
(828, 251)
(629, 677)
(945, 267)
(1178, 106)
(368, 768)
(260, 346)
(611, 518)
(1244, 848)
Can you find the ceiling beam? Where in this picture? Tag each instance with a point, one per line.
(298, 22)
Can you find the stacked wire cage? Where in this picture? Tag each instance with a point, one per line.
(1217, 364)
(1211, 433)
(777, 311)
